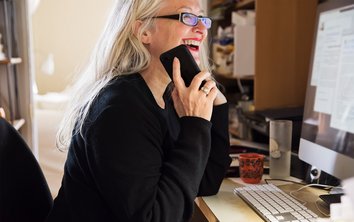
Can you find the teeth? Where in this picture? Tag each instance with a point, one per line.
(191, 42)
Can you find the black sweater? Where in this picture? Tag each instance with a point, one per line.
(137, 162)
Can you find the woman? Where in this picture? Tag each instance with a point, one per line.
(139, 151)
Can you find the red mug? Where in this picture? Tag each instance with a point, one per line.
(251, 167)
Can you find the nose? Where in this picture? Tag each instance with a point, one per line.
(200, 27)
(200, 22)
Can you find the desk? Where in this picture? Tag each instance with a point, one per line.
(227, 207)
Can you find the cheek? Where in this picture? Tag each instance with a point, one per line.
(174, 30)
(173, 34)
(166, 37)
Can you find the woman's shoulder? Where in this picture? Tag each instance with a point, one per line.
(124, 87)
(127, 92)
(126, 96)
(128, 80)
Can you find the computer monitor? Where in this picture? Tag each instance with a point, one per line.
(327, 137)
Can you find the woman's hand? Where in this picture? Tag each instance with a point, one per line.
(192, 101)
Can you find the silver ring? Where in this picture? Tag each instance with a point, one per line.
(205, 90)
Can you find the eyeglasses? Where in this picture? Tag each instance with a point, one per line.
(189, 19)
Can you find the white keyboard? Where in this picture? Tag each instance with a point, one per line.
(273, 204)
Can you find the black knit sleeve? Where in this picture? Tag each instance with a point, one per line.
(219, 159)
(137, 180)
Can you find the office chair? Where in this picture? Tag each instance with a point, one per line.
(24, 192)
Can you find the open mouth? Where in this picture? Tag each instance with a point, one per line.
(193, 47)
(192, 44)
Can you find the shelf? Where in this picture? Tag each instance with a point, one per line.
(18, 123)
(245, 4)
(230, 76)
(216, 3)
(249, 144)
(11, 61)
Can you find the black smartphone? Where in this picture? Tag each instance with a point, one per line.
(189, 68)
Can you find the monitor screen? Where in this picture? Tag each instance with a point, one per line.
(327, 137)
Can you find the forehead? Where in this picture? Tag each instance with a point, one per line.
(173, 6)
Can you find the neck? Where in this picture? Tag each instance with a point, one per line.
(157, 80)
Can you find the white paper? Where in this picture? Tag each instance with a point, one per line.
(333, 68)
(343, 107)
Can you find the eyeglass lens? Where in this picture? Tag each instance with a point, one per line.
(192, 20)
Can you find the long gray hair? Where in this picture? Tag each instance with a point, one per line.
(118, 52)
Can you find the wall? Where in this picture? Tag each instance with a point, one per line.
(69, 29)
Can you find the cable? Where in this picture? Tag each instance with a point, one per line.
(244, 96)
(290, 181)
(313, 185)
(308, 185)
(325, 214)
(239, 84)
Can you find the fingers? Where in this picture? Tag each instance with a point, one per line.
(177, 79)
(193, 100)
(213, 93)
(208, 86)
(198, 79)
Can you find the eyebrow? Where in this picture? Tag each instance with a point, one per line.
(189, 8)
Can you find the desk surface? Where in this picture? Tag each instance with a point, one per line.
(227, 207)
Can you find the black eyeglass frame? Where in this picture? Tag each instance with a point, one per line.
(179, 17)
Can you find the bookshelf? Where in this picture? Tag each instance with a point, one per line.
(284, 34)
(245, 4)
(12, 61)
(15, 71)
(283, 42)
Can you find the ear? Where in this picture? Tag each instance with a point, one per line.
(145, 37)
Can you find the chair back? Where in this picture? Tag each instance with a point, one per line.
(24, 192)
